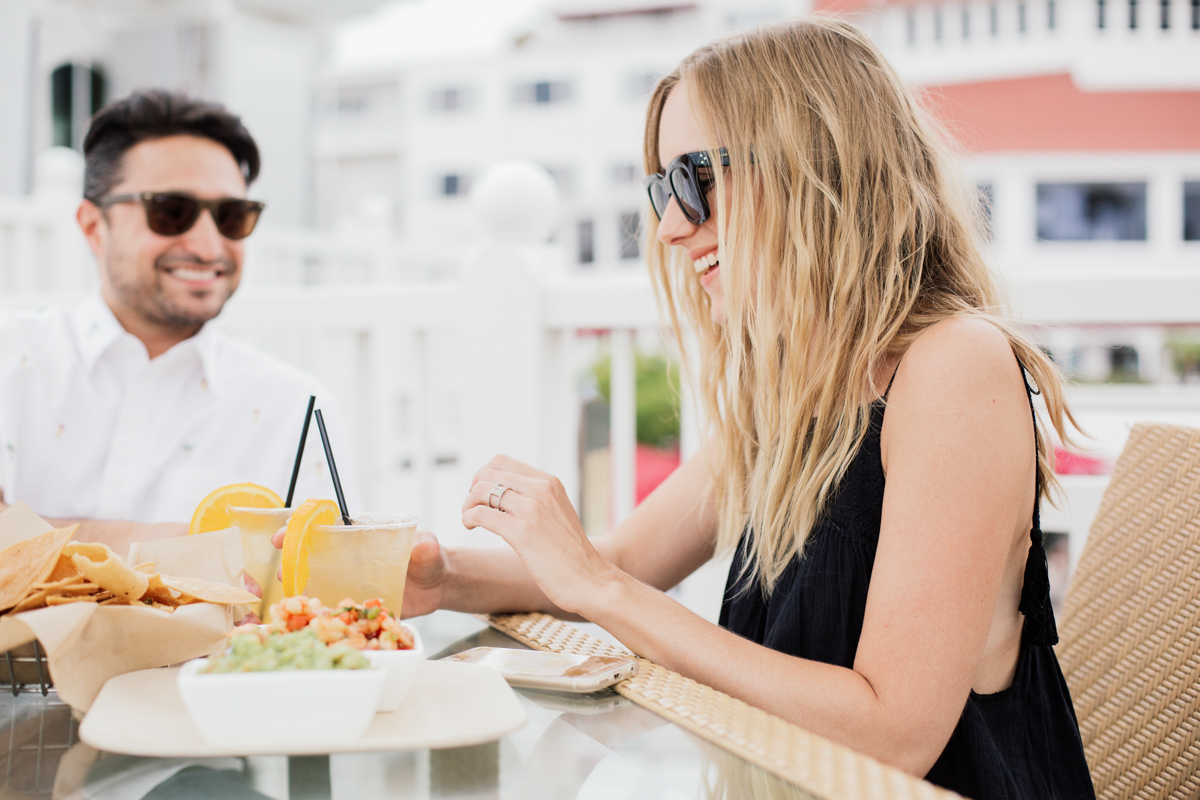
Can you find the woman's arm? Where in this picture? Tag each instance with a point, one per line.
(668, 536)
(959, 460)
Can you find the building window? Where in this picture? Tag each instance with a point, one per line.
(1196, 15)
(452, 98)
(1100, 14)
(966, 22)
(1020, 17)
(910, 23)
(586, 236)
(994, 19)
(1050, 20)
(1191, 211)
(1069, 212)
(543, 93)
(1123, 360)
(1133, 15)
(630, 229)
(937, 23)
(1164, 14)
(76, 92)
(454, 185)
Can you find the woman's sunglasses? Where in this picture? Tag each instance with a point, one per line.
(688, 179)
(174, 213)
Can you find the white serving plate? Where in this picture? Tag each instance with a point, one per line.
(400, 667)
(449, 705)
(320, 707)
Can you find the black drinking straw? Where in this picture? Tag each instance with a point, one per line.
(312, 398)
(337, 484)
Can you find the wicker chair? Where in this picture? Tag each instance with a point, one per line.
(1130, 637)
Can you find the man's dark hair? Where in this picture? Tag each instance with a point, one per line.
(153, 114)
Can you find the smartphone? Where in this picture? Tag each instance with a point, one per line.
(559, 672)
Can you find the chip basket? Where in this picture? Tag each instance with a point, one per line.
(24, 668)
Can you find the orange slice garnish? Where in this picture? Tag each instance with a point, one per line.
(310, 514)
(213, 512)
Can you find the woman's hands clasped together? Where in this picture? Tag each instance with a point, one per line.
(536, 518)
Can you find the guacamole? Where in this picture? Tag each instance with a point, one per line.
(255, 652)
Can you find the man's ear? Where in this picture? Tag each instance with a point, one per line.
(93, 224)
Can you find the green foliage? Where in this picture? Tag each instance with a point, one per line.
(657, 397)
(1185, 352)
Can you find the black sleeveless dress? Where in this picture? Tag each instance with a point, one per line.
(1021, 742)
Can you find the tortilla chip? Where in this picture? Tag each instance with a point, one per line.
(63, 599)
(74, 580)
(207, 591)
(75, 589)
(32, 601)
(147, 568)
(65, 568)
(28, 562)
(158, 592)
(116, 601)
(98, 563)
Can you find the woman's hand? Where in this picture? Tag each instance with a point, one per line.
(536, 518)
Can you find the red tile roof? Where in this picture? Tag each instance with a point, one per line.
(1049, 112)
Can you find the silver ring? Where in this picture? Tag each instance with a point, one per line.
(497, 492)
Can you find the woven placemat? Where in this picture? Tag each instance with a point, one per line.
(813, 764)
(1130, 648)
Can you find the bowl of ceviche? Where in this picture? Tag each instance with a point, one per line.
(388, 644)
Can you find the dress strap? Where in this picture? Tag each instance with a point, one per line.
(1035, 590)
(893, 380)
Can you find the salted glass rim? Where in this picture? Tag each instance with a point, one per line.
(372, 521)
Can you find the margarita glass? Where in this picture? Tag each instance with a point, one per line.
(361, 561)
(260, 558)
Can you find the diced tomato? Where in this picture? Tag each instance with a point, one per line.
(296, 622)
(374, 603)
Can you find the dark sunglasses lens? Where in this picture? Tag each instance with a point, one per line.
(660, 195)
(236, 218)
(171, 214)
(691, 202)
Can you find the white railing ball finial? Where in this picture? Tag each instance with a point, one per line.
(58, 173)
(516, 201)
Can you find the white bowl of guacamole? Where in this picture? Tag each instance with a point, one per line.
(298, 696)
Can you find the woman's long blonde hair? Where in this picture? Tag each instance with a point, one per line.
(848, 233)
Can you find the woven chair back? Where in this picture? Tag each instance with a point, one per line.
(1130, 634)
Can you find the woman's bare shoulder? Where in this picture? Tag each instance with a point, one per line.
(960, 361)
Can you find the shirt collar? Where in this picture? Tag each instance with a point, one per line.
(97, 329)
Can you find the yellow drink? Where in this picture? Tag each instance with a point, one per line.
(260, 559)
(361, 561)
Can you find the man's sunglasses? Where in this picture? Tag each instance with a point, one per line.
(174, 213)
(688, 179)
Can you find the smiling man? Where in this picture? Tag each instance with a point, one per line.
(125, 411)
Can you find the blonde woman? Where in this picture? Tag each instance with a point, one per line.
(875, 464)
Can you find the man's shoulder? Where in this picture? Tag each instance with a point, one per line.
(25, 327)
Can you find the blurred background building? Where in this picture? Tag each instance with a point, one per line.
(1078, 121)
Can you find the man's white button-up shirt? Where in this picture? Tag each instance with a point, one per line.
(92, 428)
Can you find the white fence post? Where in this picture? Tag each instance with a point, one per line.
(503, 342)
(622, 428)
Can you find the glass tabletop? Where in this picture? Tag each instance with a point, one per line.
(600, 745)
